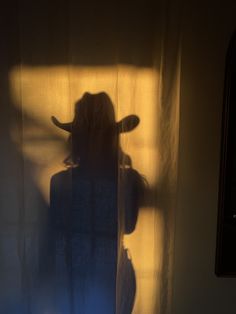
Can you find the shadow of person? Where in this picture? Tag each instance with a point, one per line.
(86, 220)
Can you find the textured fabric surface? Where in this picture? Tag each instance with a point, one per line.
(51, 55)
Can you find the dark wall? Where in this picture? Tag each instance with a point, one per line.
(207, 28)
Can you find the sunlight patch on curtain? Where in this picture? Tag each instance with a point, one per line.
(40, 92)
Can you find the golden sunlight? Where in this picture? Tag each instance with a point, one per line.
(40, 92)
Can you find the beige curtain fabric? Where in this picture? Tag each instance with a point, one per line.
(51, 56)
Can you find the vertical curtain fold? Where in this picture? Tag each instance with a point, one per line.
(131, 52)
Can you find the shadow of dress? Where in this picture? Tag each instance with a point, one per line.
(84, 220)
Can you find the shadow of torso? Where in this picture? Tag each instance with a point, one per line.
(84, 226)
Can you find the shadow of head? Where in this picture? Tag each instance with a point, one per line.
(94, 132)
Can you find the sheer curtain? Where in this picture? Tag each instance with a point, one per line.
(55, 54)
